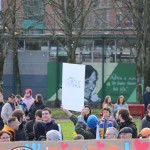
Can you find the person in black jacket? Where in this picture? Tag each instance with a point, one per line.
(1, 105)
(87, 131)
(38, 104)
(29, 125)
(125, 120)
(20, 133)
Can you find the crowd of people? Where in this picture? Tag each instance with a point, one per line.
(28, 119)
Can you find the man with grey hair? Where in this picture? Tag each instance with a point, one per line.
(111, 133)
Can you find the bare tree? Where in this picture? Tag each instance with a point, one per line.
(68, 17)
(10, 26)
(138, 11)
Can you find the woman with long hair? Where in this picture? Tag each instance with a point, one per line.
(121, 103)
(107, 103)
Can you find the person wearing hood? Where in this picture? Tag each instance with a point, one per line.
(38, 104)
(50, 123)
(28, 99)
(125, 120)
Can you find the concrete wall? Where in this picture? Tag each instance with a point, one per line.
(33, 71)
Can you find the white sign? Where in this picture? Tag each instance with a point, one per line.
(73, 78)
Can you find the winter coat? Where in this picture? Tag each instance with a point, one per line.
(20, 133)
(39, 129)
(145, 122)
(1, 120)
(34, 107)
(146, 99)
(51, 126)
(29, 130)
(28, 101)
(86, 132)
(132, 125)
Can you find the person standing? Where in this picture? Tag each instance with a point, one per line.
(9, 107)
(146, 120)
(28, 99)
(38, 104)
(146, 97)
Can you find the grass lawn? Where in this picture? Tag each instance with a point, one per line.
(68, 126)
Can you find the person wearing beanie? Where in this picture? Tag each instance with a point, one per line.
(28, 99)
(146, 120)
(53, 135)
(87, 131)
(145, 133)
(125, 133)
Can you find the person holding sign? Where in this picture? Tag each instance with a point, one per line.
(87, 131)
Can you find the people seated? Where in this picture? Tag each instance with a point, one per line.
(111, 133)
(78, 137)
(88, 131)
(125, 133)
(146, 120)
(12, 127)
(106, 121)
(120, 104)
(53, 135)
(145, 133)
(5, 136)
(126, 120)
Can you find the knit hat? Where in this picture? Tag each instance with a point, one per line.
(125, 130)
(145, 132)
(30, 91)
(53, 135)
(92, 121)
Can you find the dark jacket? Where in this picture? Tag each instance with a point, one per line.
(132, 125)
(39, 129)
(20, 133)
(34, 107)
(146, 99)
(1, 120)
(29, 130)
(87, 133)
(145, 122)
(51, 126)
